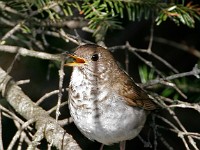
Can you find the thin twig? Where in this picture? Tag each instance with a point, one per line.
(127, 61)
(54, 108)
(23, 82)
(65, 121)
(26, 52)
(170, 84)
(1, 138)
(12, 31)
(183, 47)
(195, 106)
(164, 62)
(173, 126)
(161, 138)
(18, 133)
(67, 38)
(11, 115)
(45, 125)
(194, 72)
(181, 133)
(155, 143)
(151, 35)
(12, 64)
(61, 78)
(148, 63)
(5, 7)
(23, 138)
(133, 50)
(192, 142)
(47, 95)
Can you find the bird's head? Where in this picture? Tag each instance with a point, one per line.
(92, 58)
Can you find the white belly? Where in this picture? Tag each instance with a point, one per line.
(108, 122)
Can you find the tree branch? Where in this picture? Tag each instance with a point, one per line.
(26, 52)
(194, 72)
(29, 110)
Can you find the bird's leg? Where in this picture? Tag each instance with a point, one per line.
(122, 145)
(101, 148)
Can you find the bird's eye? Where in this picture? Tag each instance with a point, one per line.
(95, 57)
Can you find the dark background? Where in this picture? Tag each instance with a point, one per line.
(44, 76)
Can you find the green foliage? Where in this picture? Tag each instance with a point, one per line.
(25, 29)
(146, 74)
(103, 14)
(184, 84)
(100, 17)
(179, 14)
(100, 13)
(106, 14)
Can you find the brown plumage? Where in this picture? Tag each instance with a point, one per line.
(105, 103)
(133, 94)
(122, 83)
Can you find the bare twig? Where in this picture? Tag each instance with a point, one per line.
(25, 52)
(146, 143)
(1, 139)
(180, 104)
(162, 139)
(11, 115)
(148, 63)
(151, 35)
(170, 84)
(23, 82)
(7, 22)
(127, 61)
(12, 64)
(12, 31)
(173, 126)
(154, 132)
(68, 38)
(47, 95)
(180, 133)
(164, 62)
(29, 110)
(183, 47)
(192, 142)
(194, 72)
(18, 133)
(61, 78)
(23, 138)
(65, 121)
(54, 108)
(134, 50)
(149, 49)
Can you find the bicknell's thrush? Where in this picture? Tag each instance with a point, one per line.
(105, 103)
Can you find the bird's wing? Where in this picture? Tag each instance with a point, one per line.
(133, 94)
(137, 97)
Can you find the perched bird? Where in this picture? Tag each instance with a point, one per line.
(105, 103)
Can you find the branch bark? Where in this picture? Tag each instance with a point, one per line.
(46, 125)
(26, 52)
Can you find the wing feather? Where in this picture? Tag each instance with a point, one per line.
(134, 95)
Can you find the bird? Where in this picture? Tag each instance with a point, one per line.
(104, 101)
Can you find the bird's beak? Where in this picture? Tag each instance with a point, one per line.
(78, 61)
